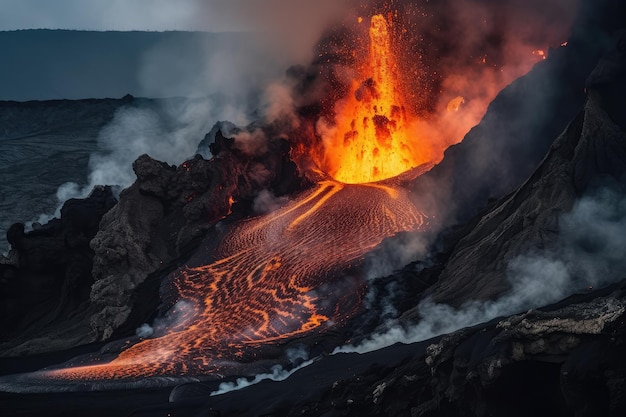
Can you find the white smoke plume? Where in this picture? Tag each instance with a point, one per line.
(266, 202)
(298, 357)
(588, 254)
(179, 316)
(228, 76)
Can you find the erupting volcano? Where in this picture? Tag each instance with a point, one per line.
(276, 276)
(272, 277)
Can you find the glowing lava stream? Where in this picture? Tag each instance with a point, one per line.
(266, 281)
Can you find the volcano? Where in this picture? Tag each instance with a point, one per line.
(357, 220)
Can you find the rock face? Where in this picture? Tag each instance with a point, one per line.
(590, 152)
(522, 122)
(48, 276)
(165, 214)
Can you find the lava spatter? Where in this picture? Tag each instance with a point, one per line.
(374, 139)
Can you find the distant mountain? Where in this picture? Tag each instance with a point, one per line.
(65, 64)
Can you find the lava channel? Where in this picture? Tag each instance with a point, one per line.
(271, 278)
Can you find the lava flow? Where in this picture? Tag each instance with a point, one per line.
(267, 282)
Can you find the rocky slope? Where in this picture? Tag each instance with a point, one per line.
(564, 359)
(591, 152)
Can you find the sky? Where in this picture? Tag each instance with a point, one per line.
(159, 15)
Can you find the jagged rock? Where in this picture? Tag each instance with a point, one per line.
(51, 271)
(591, 150)
(166, 213)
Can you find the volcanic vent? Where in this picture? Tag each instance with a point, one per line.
(373, 139)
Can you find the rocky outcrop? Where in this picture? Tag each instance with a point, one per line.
(165, 214)
(48, 277)
(591, 152)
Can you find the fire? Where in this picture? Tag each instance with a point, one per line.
(455, 104)
(374, 139)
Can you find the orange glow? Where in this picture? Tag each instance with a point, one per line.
(540, 53)
(263, 282)
(373, 139)
(455, 104)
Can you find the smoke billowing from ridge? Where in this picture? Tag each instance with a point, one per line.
(587, 254)
(239, 77)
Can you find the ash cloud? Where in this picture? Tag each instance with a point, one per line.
(588, 255)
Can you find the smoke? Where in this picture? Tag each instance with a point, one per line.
(588, 254)
(176, 318)
(144, 331)
(266, 202)
(396, 252)
(297, 356)
(293, 27)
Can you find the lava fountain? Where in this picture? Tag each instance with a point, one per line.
(373, 140)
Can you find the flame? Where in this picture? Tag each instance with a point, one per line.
(373, 139)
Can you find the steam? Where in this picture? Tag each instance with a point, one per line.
(179, 316)
(395, 253)
(266, 202)
(588, 254)
(297, 356)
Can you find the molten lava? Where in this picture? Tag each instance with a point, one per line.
(373, 139)
(270, 278)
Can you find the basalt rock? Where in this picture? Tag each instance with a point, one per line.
(48, 275)
(520, 125)
(590, 153)
(166, 213)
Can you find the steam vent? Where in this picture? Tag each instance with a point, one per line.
(419, 212)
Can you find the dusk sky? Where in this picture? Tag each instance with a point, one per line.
(159, 15)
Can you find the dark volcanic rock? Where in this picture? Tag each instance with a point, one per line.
(165, 214)
(592, 150)
(564, 360)
(521, 123)
(50, 276)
